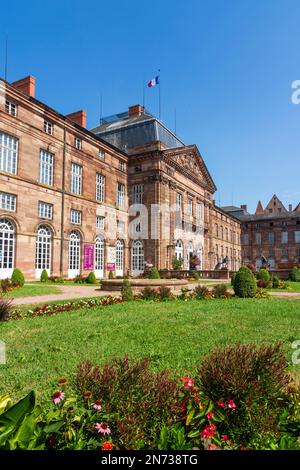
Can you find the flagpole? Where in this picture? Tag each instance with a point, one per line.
(159, 102)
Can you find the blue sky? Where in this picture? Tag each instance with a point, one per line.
(226, 66)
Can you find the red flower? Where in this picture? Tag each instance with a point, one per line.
(212, 447)
(221, 404)
(208, 432)
(107, 446)
(210, 416)
(188, 381)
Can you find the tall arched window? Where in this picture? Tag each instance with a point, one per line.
(43, 251)
(99, 257)
(7, 248)
(189, 252)
(137, 258)
(119, 258)
(74, 254)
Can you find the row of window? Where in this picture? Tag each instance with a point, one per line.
(280, 251)
(226, 234)
(190, 203)
(11, 108)
(284, 237)
(44, 246)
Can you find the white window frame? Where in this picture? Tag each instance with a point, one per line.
(76, 178)
(8, 153)
(119, 258)
(45, 210)
(120, 196)
(100, 222)
(122, 165)
(75, 217)
(137, 258)
(100, 187)
(46, 167)
(8, 202)
(99, 257)
(101, 155)
(7, 247)
(78, 143)
(11, 108)
(43, 251)
(74, 254)
(48, 127)
(179, 201)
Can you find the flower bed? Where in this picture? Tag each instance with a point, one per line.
(125, 405)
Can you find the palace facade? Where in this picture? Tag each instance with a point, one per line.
(126, 194)
(270, 236)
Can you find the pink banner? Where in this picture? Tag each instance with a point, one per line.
(111, 266)
(88, 256)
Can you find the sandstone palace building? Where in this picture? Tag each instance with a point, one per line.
(270, 236)
(123, 195)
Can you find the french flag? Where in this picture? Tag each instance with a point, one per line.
(153, 82)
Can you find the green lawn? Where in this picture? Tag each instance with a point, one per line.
(174, 334)
(29, 291)
(65, 283)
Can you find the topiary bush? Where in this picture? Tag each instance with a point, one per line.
(126, 291)
(111, 275)
(18, 277)
(154, 274)
(44, 276)
(263, 274)
(244, 283)
(295, 275)
(91, 278)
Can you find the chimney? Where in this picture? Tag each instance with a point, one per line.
(136, 110)
(26, 85)
(290, 207)
(79, 117)
(244, 207)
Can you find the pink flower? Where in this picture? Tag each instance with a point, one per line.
(231, 405)
(57, 397)
(225, 437)
(188, 381)
(210, 416)
(221, 404)
(97, 405)
(212, 447)
(208, 432)
(103, 428)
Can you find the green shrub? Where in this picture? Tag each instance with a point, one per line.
(140, 401)
(18, 277)
(295, 275)
(184, 293)
(263, 274)
(244, 283)
(149, 294)
(220, 291)
(126, 291)
(201, 292)
(6, 285)
(56, 279)
(44, 276)
(254, 378)
(233, 278)
(177, 263)
(154, 274)
(91, 278)
(196, 276)
(164, 293)
(79, 279)
(275, 282)
(111, 275)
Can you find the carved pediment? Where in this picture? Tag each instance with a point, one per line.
(191, 162)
